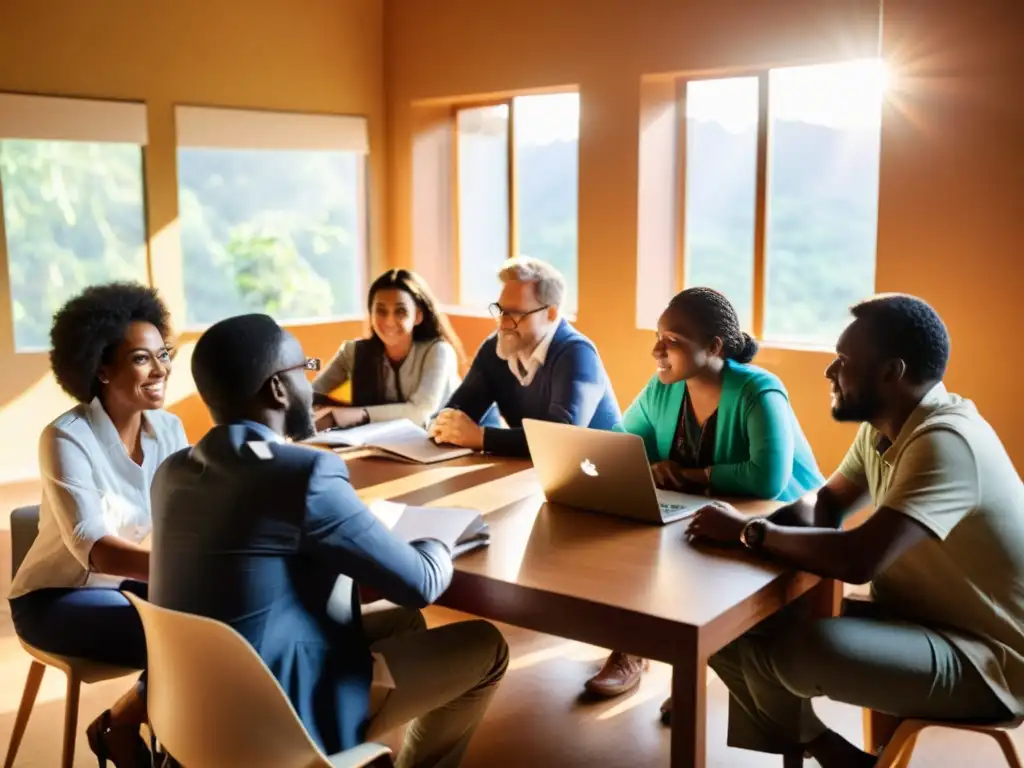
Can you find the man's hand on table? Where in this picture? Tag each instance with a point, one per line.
(717, 523)
(453, 427)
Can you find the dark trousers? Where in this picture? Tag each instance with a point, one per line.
(776, 669)
(94, 623)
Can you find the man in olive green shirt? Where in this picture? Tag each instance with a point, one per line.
(943, 551)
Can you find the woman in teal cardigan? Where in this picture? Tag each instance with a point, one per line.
(712, 423)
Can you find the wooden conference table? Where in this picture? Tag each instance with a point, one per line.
(598, 579)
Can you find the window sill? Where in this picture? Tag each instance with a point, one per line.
(193, 330)
(32, 351)
(482, 314)
(780, 345)
(460, 311)
(819, 348)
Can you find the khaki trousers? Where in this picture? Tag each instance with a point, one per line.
(444, 679)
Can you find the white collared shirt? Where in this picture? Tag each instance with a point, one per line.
(524, 367)
(91, 488)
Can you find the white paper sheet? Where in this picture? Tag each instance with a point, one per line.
(452, 526)
(399, 438)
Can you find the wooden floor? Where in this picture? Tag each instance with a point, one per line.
(537, 718)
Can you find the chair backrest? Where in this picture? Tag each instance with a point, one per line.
(212, 701)
(24, 529)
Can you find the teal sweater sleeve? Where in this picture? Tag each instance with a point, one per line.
(637, 421)
(767, 472)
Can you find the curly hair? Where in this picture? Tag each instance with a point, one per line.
(714, 315)
(907, 328)
(88, 328)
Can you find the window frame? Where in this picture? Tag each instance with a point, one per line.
(254, 128)
(458, 306)
(456, 192)
(47, 117)
(760, 188)
(760, 233)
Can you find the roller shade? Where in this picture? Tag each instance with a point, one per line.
(52, 118)
(208, 127)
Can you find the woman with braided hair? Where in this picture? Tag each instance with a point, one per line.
(712, 423)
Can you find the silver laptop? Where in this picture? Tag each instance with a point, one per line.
(602, 471)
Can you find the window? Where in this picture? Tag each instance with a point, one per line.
(517, 190)
(721, 183)
(824, 137)
(484, 213)
(273, 212)
(73, 203)
(780, 195)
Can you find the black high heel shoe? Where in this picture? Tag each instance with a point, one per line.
(137, 755)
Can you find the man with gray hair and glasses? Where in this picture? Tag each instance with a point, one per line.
(535, 366)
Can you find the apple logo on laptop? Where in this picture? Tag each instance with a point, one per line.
(588, 468)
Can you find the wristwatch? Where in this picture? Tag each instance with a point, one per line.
(753, 533)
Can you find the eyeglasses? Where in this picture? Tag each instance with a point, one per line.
(498, 312)
(309, 364)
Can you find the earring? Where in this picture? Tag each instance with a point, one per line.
(104, 381)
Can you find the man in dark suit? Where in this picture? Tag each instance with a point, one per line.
(271, 538)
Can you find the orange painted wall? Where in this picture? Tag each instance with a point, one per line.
(952, 164)
(952, 167)
(310, 56)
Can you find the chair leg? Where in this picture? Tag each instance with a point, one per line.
(903, 759)
(1006, 744)
(28, 700)
(879, 729)
(901, 747)
(70, 721)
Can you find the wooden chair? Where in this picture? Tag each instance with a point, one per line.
(898, 752)
(24, 528)
(213, 702)
(893, 739)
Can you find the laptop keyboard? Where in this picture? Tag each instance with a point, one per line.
(669, 510)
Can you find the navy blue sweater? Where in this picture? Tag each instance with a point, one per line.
(571, 387)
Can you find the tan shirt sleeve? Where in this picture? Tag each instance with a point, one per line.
(935, 480)
(852, 466)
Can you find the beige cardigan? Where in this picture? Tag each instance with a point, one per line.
(426, 379)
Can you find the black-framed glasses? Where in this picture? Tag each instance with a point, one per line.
(498, 313)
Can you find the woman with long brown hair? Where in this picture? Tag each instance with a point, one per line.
(408, 365)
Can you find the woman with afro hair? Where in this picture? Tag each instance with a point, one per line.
(110, 350)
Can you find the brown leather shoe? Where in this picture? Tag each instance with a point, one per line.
(666, 711)
(620, 674)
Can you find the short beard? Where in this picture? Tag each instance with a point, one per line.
(299, 423)
(865, 409)
(503, 352)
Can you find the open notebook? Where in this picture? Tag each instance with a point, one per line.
(400, 439)
(461, 530)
